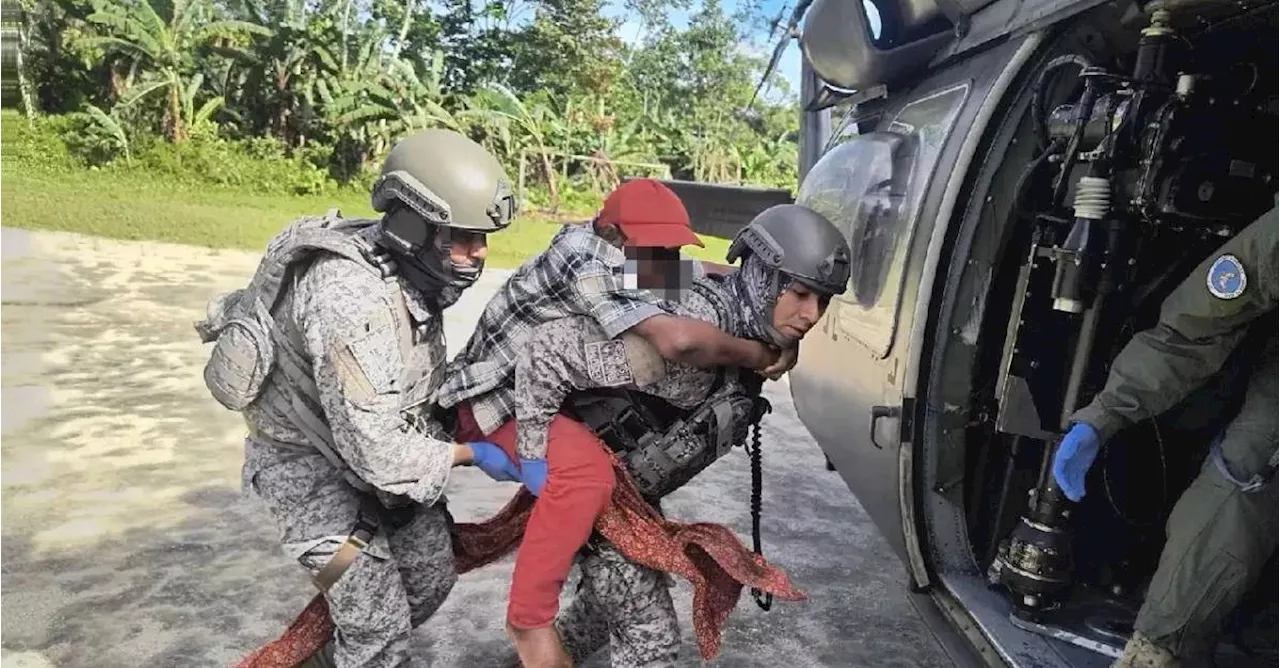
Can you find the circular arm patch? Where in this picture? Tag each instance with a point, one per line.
(1226, 279)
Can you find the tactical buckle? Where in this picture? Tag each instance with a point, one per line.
(632, 424)
(609, 434)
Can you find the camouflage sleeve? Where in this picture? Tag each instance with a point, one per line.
(570, 354)
(598, 291)
(351, 336)
(1201, 323)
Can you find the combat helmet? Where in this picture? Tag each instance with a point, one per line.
(433, 181)
(799, 243)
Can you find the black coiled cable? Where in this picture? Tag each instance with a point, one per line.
(764, 600)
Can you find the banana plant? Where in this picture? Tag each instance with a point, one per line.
(279, 77)
(191, 117)
(164, 48)
(374, 103)
(497, 105)
(111, 124)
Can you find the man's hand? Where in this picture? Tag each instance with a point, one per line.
(786, 361)
(462, 455)
(533, 473)
(763, 357)
(493, 461)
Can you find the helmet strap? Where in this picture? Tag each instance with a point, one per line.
(755, 287)
(775, 291)
(422, 251)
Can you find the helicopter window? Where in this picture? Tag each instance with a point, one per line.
(873, 19)
(854, 121)
(871, 186)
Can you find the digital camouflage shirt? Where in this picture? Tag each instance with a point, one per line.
(344, 320)
(575, 353)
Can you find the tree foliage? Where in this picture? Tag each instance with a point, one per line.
(550, 86)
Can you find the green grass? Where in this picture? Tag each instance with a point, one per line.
(55, 194)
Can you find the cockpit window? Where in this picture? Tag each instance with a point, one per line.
(871, 186)
(857, 187)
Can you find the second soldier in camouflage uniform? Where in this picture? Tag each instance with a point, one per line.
(621, 603)
(330, 353)
(1223, 527)
(580, 273)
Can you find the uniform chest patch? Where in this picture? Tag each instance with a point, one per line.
(607, 363)
(1226, 279)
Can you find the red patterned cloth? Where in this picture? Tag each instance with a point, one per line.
(710, 556)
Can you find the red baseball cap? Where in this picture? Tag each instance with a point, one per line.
(649, 214)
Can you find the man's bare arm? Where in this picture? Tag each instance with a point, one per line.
(599, 292)
(702, 345)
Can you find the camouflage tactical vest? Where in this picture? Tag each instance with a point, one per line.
(251, 346)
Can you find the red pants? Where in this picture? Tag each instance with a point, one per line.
(579, 485)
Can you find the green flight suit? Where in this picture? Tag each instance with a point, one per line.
(1221, 532)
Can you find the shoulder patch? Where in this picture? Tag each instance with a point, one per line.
(1226, 279)
(368, 366)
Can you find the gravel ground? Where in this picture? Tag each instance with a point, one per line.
(126, 542)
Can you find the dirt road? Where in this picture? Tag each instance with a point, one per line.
(126, 541)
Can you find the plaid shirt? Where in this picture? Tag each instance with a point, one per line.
(579, 274)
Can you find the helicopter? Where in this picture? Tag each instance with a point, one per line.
(969, 149)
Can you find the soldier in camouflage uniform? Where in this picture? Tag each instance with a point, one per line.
(794, 260)
(583, 272)
(1223, 528)
(330, 353)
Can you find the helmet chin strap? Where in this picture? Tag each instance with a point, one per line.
(775, 290)
(756, 288)
(433, 272)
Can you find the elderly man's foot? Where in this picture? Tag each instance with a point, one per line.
(539, 648)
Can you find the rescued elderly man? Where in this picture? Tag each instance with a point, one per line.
(666, 420)
(582, 273)
(1223, 528)
(330, 353)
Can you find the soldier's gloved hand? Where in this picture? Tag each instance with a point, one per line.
(533, 473)
(493, 461)
(1074, 457)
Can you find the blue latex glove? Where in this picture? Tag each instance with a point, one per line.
(533, 473)
(493, 461)
(1074, 457)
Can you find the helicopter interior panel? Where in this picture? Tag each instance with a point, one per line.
(1136, 146)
